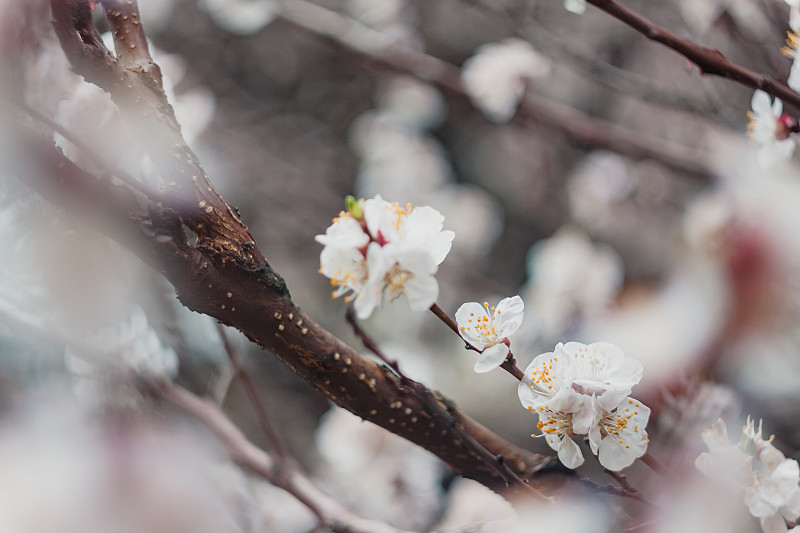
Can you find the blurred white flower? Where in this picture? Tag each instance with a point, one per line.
(91, 116)
(241, 17)
(416, 103)
(73, 470)
(48, 77)
(569, 276)
(579, 389)
(575, 6)
(495, 77)
(769, 129)
(379, 247)
(376, 473)
(701, 16)
(487, 329)
(131, 346)
(707, 220)
(397, 159)
(473, 212)
(600, 183)
(768, 479)
(794, 14)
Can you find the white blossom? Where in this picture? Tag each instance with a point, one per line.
(794, 14)
(241, 17)
(496, 76)
(579, 389)
(385, 249)
(768, 480)
(768, 131)
(132, 345)
(619, 438)
(575, 6)
(569, 276)
(487, 329)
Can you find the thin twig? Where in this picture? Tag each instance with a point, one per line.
(615, 491)
(244, 453)
(708, 60)
(434, 406)
(276, 441)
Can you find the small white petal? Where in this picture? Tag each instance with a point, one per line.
(569, 453)
(470, 311)
(575, 6)
(508, 315)
(492, 357)
(760, 103)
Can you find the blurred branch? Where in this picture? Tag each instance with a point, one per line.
(204, 249)
(244, 453)
(708, 60)
(565, 51)
(577, 125)
(273, 436)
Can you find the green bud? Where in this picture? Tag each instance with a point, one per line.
(354, 207)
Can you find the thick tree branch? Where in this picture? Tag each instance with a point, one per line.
(708, 60)
(223, 274)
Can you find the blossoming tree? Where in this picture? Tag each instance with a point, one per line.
(659, 298)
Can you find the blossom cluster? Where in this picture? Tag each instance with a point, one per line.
(769, 127)
(584, 390)
(377, 246)
(768, 480)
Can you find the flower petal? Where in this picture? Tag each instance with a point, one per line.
(569, 453)
(760, 103)
(421, 292)
(575, 6)
(508, 315)
(466, 318)
(491, 358)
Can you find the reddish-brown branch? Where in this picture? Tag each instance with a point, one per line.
(708, 60)
(130, 41)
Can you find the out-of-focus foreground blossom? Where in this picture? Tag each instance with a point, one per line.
(768, 480)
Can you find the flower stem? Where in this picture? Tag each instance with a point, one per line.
(655, 465)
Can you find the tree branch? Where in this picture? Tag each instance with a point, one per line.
(708, 60)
